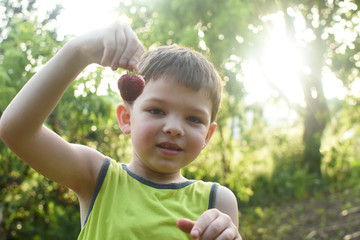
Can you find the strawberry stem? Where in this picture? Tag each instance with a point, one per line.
(132, 72)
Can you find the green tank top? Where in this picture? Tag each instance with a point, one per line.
(126, 206)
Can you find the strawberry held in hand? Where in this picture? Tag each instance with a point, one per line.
(130, 86)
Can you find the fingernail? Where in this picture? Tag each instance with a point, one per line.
(195, 233)
(114, 67)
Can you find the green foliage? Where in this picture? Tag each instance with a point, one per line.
(260, 163)
(36, 208)
(341, 145)
(33, 206)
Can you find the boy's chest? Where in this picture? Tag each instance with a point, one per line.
(152, 215)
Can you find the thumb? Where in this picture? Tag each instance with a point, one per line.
(185, 225)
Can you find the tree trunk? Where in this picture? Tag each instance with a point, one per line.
(313, 130)
(316, 112)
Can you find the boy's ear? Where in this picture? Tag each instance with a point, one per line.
(123, 117)
(209, 134)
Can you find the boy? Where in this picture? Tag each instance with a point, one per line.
(170, 123)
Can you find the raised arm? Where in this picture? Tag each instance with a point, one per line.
(21, 125)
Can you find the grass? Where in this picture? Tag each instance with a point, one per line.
(330, 216)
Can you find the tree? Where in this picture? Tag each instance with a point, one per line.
(322, 46)
(231, 31)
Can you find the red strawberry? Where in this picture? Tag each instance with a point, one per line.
(130, 86)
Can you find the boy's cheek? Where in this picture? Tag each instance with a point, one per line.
(197, 142)
(143, 135)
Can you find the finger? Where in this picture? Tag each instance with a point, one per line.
(121, 44)
(185, 225)
(131, 48)
(109, 47)
(217, 227)
(133, 63)
(203, 222)
(228, 234)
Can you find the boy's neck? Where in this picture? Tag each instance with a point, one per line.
(154, 176)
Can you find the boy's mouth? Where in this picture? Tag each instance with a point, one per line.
(170, 146)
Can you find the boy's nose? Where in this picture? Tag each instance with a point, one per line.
(173, 127)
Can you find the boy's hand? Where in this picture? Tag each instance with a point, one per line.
(212, 224)
(115, 46)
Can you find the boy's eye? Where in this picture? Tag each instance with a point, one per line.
(194, 119)
(156, 111)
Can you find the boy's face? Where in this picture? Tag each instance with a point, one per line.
(169, 125)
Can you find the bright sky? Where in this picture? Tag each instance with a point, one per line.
(79, 16)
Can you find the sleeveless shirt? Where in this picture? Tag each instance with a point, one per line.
(127, 206)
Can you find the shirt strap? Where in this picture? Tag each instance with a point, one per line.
(99, 183)
(212, 197)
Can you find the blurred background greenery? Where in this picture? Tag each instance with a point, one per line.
(288, 138)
